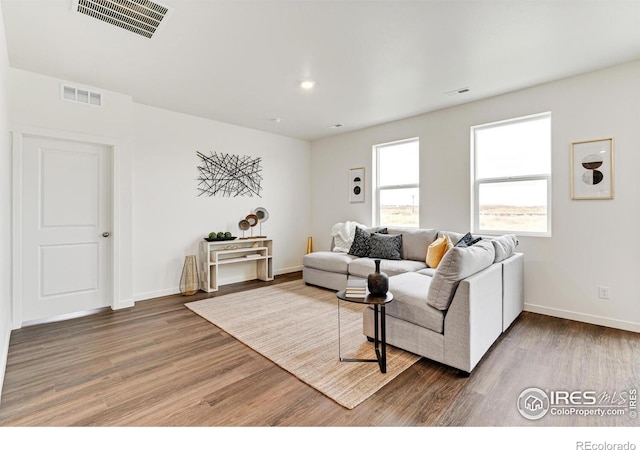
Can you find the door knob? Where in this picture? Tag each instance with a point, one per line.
(105, 234)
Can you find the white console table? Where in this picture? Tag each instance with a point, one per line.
(214, 254)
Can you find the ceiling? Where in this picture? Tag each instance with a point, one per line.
(241, 62)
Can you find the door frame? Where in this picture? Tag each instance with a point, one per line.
(118, 230)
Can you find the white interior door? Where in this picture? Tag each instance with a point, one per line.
(66, 209)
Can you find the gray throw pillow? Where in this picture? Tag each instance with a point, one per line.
(458, 264)
(385, 246)
(505, 246)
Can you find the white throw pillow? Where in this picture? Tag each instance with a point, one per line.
(458, 264)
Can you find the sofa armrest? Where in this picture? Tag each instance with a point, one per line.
(512, 289)
(474, 319)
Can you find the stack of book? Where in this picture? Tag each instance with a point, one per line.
(356, 288)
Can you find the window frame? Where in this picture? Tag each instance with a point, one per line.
(477, 182)
(376, 177)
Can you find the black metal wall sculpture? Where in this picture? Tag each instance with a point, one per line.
(229, 175)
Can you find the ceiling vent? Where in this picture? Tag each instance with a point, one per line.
(80, 95)
(142, 17)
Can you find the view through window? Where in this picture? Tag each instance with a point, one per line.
(512, 176)
(398, 183)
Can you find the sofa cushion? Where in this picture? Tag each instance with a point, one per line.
(505, 246)
(437, 250)
(328, 261)
(409, 295)
(385, 246)
(415, 241)
(457, 264)
(428, 271)
(362, 267)
(454, 236)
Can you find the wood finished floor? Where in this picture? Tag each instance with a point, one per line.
(159, 364)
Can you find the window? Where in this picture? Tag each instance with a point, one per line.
(512, 176)
(397, 178)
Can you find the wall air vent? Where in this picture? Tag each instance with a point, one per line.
(142, 17)
(80, 95)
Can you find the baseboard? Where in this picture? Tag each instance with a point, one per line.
(288, 270)
(172, 291)
(581, 317)
(4, 354)
(155, 294)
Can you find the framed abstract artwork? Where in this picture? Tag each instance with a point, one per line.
(356, 185)
(592, 169)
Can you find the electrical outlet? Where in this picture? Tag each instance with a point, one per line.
(604, 292)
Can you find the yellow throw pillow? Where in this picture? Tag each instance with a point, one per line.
(437, 250)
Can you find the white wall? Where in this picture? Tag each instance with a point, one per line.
(157, 194)
(171, 219)
(35, 107)
(5, 209)
(592, 242)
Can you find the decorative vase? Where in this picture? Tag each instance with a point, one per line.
(189, 281)
(378, 282)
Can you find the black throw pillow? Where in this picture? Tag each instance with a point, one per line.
(467, 241)
(360, 245)
(361, 242)
(385, 246)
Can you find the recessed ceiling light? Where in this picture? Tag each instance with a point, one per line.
(276, 119)
(307, 84)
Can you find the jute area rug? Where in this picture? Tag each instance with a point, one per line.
(296, 327)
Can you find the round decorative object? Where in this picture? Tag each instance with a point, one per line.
(262, 214)
(244, 225)
(252, 219)
(378, 282)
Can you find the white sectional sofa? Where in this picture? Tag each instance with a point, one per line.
(451, 314)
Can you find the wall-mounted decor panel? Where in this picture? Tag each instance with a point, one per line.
(224, 175)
